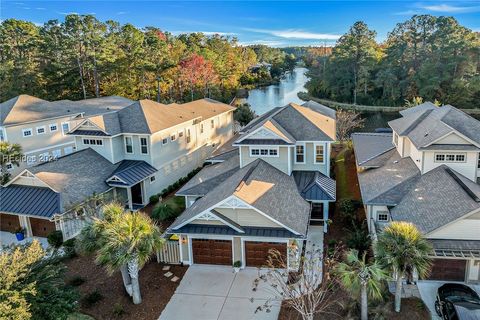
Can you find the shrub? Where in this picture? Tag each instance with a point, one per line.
(358, 238)
(347, 209)
(154, 198)
(55, 239)
(118, 310)
(163, 212)
(69, 248)
(76, 281)
(92, 298)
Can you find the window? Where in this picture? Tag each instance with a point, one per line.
(143, 145)
(128, 145)
(164, 140)
(273, 152)
(319, 156)
(27, 132)
(68, 150)
(446, 157)
(300, 154)
(41, 130)
(65, 127)
(255, 152)
(86, 141)
(56, 153)
(212, 123)
(267, 152)
(173, 137)
(53, 127)
(382, 215)
(201, 127)
(9, 166)
(188, 136)
(93, 142)
(152, 179)
(180, 134)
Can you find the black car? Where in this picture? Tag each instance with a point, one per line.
(457, 301)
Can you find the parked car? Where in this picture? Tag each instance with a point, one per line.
(457, 301)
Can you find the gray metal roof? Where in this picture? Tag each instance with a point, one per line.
(280, 200)
(450, 244)
(435, 199)
(263, 142)
(369, 146)
(224, 230)
(27, 200)
(314, 185)
(131, 172)
(96, 133)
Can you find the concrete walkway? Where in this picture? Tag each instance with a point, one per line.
(217, 293)
(7, 238)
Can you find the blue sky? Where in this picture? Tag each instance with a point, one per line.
(275, 23)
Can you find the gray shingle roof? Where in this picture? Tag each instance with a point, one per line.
(27, 200)
(314, 185)
(320, 108)
(451, 147)
(263, 187)
(131, 172)
(76, 176)
(421, 107)
(435, 199)
(369, 146)
(224, 156)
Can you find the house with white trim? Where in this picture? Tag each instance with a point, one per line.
(263, 190)
(427, 172)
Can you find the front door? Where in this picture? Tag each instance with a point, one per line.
(137, 197)
(316, 217)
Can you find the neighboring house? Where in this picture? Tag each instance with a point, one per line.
(426, 172)
(128, 155)
(261, 191)
(41, 126)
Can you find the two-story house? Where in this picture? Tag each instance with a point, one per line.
(41, 127)
(426, 172)
(127, 155)
(262, 191)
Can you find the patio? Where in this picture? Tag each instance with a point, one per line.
(7, 239)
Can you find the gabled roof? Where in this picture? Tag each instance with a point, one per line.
(130, 172)
(315, 186)
(261, 186)
(28, 200)
(427, 125)
(25, 108)
(421, 107)
(369, 146)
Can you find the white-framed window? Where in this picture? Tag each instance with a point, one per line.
(201, 127)
(41, 130)
(56, 153)
(144, 145)
(173, 137)
(9, 166)
(53, 127)
(188, 136)
(27, 132)
(212, 123)
(319, 153)
(93, 142)
(180, 134)
(68, 150)
(152, 179)
(164, 141)
(450, 157)
(264, 151)
(300, 153)
(65, 127)
(128, 145)
(382, 215)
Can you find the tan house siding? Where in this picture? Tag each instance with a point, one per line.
(465, 229)
(247, 217)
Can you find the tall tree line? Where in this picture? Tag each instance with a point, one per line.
(82, 57)
(430, 57)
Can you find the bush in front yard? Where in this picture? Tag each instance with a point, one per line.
(154, 198)
(163, 212)
(347, 209)
(69, 248)
(55, 239)
(92, 298)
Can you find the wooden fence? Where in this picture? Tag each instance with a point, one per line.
(170, 253)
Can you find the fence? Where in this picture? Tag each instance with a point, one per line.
(170, 253)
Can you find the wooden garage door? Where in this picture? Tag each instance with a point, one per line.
(9, 222)
(208, 251)
(41, 227)
(257, 253)
(448, 270)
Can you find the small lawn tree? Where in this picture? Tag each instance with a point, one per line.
(361, 278)
(347, 121)
(122, 241)
(401, 247)
(310, 292)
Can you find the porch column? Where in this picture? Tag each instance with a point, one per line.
(25, 223)
(129, 195)
(325, 216)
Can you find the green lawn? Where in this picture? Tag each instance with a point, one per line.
(343, 191)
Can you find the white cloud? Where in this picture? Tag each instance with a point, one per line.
(67, 13)
(296, 34)
(446, 8)
(40, 8)
(208, 33)
(271, 43)
(407, 13)
(121, 12)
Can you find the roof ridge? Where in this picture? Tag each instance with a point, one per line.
(247, 174)
(396, 186)
(467, 189)
(295, 109)
(417, 121)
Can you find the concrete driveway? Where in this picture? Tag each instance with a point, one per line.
(428, 292)
(217, 293)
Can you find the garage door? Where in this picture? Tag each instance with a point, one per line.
(9, 222)
(208, 251)
(257, 253)
(448, 270)
(41, 227)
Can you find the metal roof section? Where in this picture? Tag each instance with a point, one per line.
(265, 142)
(31, 201)
(315, 186)
(130, 172)
(96, 133)
(223, 230)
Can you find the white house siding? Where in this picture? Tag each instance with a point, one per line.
(464, 229)
(105, 150)
(467, 168)
(416, 156)
(372, 215)
(452, 139)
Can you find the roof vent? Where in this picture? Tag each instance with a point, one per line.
(396, 161)
(108, 108)
(426, 134)
(68, 110)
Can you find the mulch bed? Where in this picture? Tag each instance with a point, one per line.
(156, 289)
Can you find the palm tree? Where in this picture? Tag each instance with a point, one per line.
(401, 247)
(362, 278)
(9, 153)
(122, 241)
